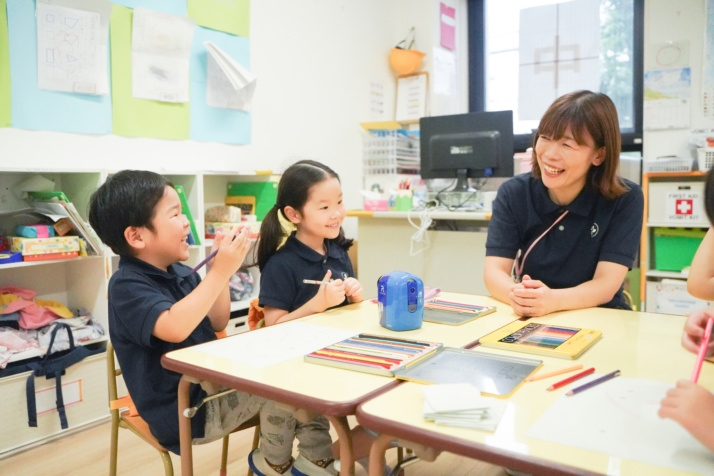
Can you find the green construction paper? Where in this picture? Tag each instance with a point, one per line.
(5, 109)
(139, 117)
(231, 16)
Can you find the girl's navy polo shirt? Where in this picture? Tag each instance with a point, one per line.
(138, 294)
(595, 229)
(281, 283)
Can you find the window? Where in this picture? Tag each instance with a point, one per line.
(523, 54)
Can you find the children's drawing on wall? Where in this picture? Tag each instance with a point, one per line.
(72, 47)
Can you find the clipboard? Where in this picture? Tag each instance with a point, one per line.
(494, 374)
(412, 92)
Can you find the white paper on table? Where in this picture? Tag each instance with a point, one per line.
(449, 397)
(275, 344)
(160, 55)
(72, 45)
(229, 85)
(619, 418)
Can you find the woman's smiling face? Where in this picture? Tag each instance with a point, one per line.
(564, 164)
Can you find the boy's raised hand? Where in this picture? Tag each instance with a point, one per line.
(232, 248)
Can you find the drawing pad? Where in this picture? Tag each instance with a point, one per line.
(492, 374)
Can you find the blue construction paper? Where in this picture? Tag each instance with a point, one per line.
(39, 109)
(213, 124)
(175, 7)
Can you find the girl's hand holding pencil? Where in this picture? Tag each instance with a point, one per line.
(331, 293)
(694, 331)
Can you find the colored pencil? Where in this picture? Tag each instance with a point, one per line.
(571, 379)
(702, 350)
(313, 281)
(595, 382)
(554, 373)
(205, 260)
(395, 339)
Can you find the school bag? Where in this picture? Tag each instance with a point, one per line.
(53, 367)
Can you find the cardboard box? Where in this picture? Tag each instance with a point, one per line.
(55, 244)
(678, 203)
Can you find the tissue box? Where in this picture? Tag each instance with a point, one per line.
(375, 204)
(223, 214)
(218, 227)
(35, 246)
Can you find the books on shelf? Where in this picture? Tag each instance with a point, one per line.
(542, 339)
(57, 206)
(453, 313)
(382, 355)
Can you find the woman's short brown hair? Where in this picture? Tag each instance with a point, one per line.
(587, 112)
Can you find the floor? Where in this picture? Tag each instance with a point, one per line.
(87, 453)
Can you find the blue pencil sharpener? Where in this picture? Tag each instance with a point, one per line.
(401, 301)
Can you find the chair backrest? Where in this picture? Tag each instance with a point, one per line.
(113, 373)
(256, 318)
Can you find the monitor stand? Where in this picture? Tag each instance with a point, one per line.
(462, 182)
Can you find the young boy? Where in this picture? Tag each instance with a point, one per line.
(157, 305)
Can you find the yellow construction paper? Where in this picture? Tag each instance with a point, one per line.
(231, 16)
(5, 102)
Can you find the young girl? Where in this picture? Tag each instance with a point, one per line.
(690, 404)
(309, 196)
(576, 224)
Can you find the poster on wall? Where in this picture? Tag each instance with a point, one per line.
(667, 98)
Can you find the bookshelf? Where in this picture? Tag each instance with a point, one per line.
(83, 283)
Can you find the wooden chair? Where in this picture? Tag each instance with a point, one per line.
(129, 418)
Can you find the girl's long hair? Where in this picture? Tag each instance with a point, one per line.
(293, 191)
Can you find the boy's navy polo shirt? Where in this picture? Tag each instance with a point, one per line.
(281, 283)
(138, 294)
(595, 229)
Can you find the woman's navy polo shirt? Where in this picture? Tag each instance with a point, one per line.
(138, 294)
(595, 229)
(281, 283)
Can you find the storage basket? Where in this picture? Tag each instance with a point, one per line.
(705, 158)
(670, 164)
(390, 152)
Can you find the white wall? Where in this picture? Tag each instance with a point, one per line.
(314, 60)
(677, 20)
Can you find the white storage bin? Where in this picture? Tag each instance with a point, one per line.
(668, 165)
(672, 298)
(85, 397)
(705, 158)
(677, 203)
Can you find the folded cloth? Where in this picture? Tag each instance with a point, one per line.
(34, 313)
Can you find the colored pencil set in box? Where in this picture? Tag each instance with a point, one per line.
(373, 354)
(453, 313)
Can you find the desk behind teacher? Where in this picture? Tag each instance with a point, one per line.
(454, 261)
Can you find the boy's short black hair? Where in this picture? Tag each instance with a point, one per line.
(128, 198)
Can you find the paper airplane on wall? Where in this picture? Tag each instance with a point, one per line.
(229, 84)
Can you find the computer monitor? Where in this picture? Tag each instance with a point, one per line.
(462, 146)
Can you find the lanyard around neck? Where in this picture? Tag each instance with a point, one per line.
(520, 264)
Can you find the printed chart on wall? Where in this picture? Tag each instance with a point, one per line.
(667, 98)
(708, 69)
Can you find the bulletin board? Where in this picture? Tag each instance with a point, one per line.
(24, 105)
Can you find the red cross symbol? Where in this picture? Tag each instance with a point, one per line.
(684, 207)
